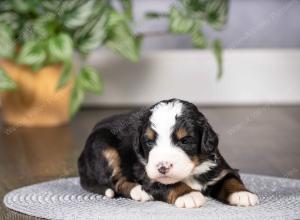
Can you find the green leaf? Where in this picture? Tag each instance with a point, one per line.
(79, 16)
(89, 80)
(6, 6)
(65, 75)
(50, 5)
(127, 8)
(95, 26)
(91, 35)
(121, 39)
(6, 42)
(60, 47)
(217, 13)
(180, 23)
(32, 53)
(9, 18)
(44, 26)
(198, 39)
(6, 83)
(22, 6)
(88, 43)
(127, 46)
(217, 48)
(155, 15)
(76, 98)
(27, 33)
(213, 12)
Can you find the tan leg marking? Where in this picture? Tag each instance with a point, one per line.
(230, 186)
(122, 185)
(178, 191)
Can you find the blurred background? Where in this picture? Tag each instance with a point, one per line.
(261, 65)
(251, 24)
(64, 65)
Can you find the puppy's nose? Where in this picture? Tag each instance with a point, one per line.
(164, 167)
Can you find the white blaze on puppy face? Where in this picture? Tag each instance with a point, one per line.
(163, 119)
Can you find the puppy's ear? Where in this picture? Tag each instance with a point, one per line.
(140, 120)
(138, 146)
(136, 142)
(210, 140)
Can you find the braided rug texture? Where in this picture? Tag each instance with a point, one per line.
(65, 199)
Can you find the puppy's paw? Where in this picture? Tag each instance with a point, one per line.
(243, 198)
(138, 194)
(190, 200)
(109, 193)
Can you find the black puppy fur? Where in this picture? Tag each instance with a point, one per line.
(116, 151)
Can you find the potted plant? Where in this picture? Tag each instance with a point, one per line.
(38, 39)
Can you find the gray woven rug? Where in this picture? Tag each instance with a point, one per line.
(65, 199)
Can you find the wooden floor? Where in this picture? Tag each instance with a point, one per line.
(261, 140)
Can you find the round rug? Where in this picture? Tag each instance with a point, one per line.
(65, 199)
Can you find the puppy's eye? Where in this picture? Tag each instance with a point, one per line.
(149, 143)
(186, 140)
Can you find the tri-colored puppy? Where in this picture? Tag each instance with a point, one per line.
(168, 152)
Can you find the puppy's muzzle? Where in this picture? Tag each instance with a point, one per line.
(164, 167)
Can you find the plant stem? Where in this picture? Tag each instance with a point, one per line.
(154, 33)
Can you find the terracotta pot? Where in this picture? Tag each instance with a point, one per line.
(36, 101)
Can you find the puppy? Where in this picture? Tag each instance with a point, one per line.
(168, 152)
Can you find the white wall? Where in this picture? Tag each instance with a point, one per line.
(250, 77)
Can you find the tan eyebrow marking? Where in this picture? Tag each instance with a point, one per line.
(181, 133)
(150, 134)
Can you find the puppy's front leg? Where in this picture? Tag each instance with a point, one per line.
(185, 197)
(179, 194)
(232, 191)
(138, 194)
(132, 190)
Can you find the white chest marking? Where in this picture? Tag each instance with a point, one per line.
(201, 169)
(216, 179)
(194, 184)
(204, 167)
